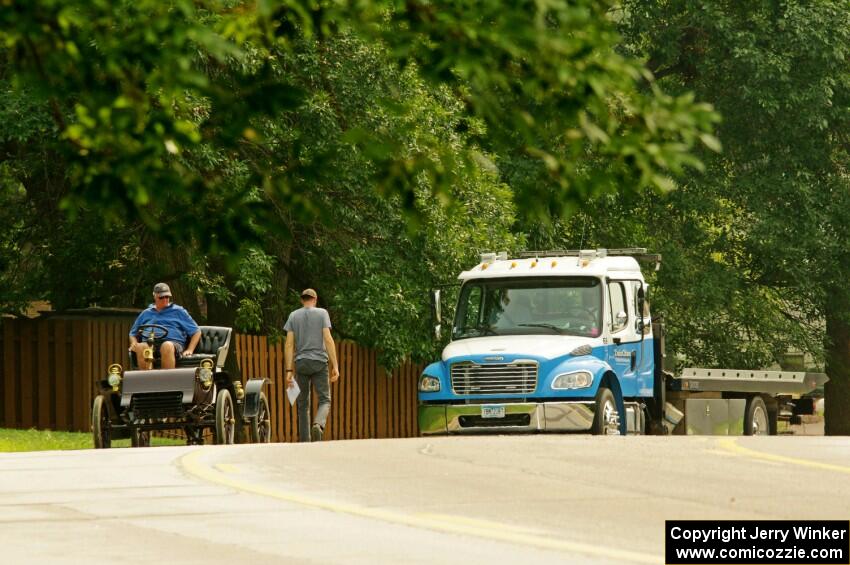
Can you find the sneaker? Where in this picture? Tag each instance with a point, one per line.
(316, 433)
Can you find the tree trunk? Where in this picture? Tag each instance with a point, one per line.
(837, 390)
(221, 313)
(274, 303)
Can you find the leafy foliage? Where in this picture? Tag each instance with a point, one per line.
(368, 149)
(133, 86)
(763, 232)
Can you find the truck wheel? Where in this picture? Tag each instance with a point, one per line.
(260, 425)
(606, 420)
(225, 419)
(756, 419)
(100, 425)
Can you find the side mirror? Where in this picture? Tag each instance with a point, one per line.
(436, 313)
(620, 320)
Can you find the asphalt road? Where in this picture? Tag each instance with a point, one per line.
(510, 499)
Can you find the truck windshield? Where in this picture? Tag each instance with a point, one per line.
(565, 306)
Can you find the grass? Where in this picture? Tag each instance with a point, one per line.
(45, 440)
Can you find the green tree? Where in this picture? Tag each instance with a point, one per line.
(132, 86)
(763, 231)
(241, 150)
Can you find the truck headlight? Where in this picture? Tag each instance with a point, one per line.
(577, 379)
(427, 383)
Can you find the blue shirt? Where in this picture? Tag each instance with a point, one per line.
(174, 318)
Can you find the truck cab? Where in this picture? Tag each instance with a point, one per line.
(559, 342)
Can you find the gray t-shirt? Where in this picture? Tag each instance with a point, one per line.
(308, 323)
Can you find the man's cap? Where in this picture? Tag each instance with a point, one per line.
(308, 293)
(161, 289)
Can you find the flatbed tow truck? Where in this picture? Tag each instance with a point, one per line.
(564, 341)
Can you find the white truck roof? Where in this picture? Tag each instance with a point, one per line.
(564, 266)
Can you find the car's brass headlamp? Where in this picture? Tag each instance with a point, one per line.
(113, 376)
(204, 373)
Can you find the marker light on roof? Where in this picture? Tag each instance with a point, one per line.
(513, 264)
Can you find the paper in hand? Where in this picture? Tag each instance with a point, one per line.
(292, 392)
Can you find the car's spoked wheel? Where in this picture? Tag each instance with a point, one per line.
(100, 425)
(261, 426)
(225, 420)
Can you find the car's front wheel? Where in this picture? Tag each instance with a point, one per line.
(225, 418)
(100, 425)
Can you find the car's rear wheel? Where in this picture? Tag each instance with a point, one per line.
(194, 435)
(261, 426)
(225, 419)
(140, 438)
(100, 424)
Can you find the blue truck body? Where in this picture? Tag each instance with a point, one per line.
(566, 343)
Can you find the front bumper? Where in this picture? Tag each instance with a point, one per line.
(442, 419)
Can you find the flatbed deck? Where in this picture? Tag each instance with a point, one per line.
(773, 383)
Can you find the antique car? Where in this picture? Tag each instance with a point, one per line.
(198, 396)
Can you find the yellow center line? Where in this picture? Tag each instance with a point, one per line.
(479, 523)
(192, 465)
(227, 468)
(731, 445)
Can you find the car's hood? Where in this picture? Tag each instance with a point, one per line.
(546, 346)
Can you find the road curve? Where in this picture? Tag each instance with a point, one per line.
(542, 499)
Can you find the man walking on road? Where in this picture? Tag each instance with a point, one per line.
(309, 345)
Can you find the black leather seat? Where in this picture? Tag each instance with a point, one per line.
(214, 344)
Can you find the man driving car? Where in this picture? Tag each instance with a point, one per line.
(180, 326)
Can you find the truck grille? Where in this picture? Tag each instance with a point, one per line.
(494, 378)
(157, 405)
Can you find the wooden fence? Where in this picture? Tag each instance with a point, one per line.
(366, 401)
(49, 367)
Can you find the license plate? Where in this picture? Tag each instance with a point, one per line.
(496, 411)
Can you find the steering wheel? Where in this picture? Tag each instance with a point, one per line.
(156, 332)
(581, 315)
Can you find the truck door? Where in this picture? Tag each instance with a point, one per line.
(625, 347)
(643, 322)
